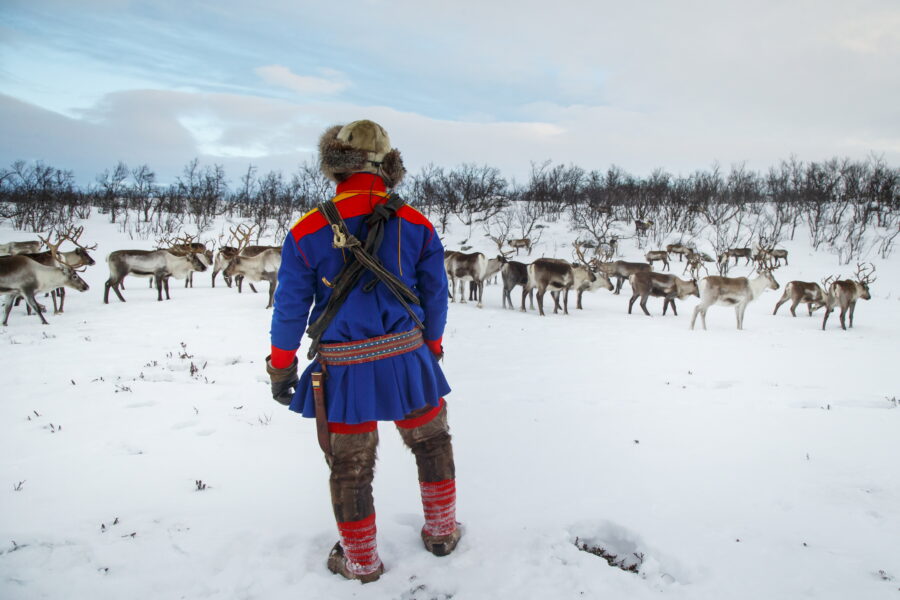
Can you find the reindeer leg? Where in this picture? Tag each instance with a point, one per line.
(566, 301)
(540, 298)
(794, 307)
(672, 303)
(166, 283)
(30, 299)
(272, 283)
(644, 305)
(852, 310)
(480, 293)
(578, 303)
(61, 292)
(843, 312)
(228, 279)
(10, 301)
(251, 287)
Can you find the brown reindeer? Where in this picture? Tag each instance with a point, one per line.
(158, 264)
(619, 269)
(554, 274)
(736, 253)
(515, 273)
(846, 292)
(465, 267)
(519, 244)
(808, 292)
(680, 249)
(13, 248)
(642, 226)
(660, 255)
(660, 285)
(77, 259)
(732, 291)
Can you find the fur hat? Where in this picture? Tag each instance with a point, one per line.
(359, 147)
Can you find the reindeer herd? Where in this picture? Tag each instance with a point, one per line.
(559, 276)
(26, 271)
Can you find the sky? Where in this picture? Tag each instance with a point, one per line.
(658, 84)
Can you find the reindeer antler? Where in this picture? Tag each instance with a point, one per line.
(54, 251)
(579, 253)
(241, 234)
(73, 234)
(864, 274)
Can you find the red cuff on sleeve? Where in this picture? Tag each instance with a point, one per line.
(282, 358)
(435, 346)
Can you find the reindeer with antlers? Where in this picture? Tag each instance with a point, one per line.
(811, 293)
(847, 291)
(241, 236)
(733, 291)
(158, 264)
(254, 263)
(23, 276)
(188, 244)
(78, 259)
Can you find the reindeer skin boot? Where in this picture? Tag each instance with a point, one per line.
(426, 433)
(355, 555)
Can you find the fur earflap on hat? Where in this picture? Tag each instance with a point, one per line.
(359, 147)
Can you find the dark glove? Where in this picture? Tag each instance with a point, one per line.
(283, 381)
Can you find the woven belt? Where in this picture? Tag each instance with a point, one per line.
(377, 348)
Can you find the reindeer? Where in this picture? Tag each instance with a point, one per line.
(493, 268)
(660, 255)
(552, 273)
(619, 269)
(846, 292)
(732, 291)
(585, 278)
(736, 253)
(660, 285)
(519, 244)
(259, 267)
(158, 264)
(465, 267)
(22, 276)
(13, 248)
(680, 249)
(223, 257)
(242, 234)
(809, 292)
(75, 259)
(695, 262)
(186, 245)
(515, 273)
(642, 226)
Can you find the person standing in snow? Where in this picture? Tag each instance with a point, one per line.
(363, 275)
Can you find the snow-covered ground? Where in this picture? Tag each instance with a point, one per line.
(141, 455)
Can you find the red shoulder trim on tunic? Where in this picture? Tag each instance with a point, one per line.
(408, 213)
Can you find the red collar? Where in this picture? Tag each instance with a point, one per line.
(364, 182)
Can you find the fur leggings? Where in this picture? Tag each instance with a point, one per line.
(353, 462)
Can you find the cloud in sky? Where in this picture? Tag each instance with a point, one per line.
(663, 84)
(330, 83)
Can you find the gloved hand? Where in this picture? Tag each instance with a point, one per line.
(436, 347)
(283, 381)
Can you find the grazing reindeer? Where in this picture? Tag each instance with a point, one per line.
(660, 255)
(22, 276)
(515, 273)
(811, 293)
(642, 226)
(259, 267)
(159, 264)
(732, 291)
(619, 269)
(680, 249)
(660, 285)
(846, 292)
(465, 267)
(12, 248)
(519, 244)
(736, 253)
(695, 262)
(552, 273)
(586, 279)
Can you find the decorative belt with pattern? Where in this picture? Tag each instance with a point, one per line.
(372, 349)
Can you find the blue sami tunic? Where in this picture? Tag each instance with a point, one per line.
(383, 390)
